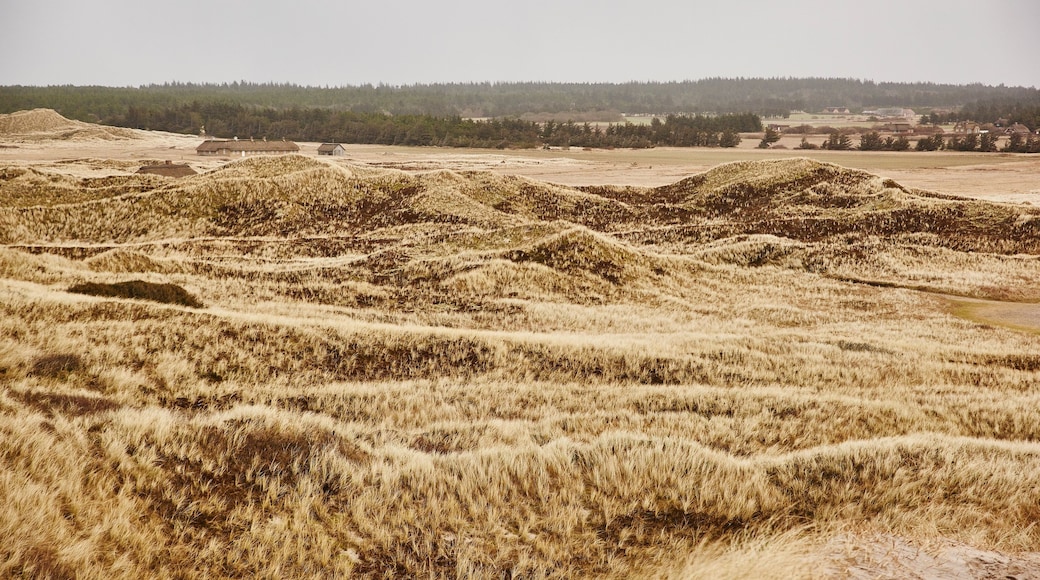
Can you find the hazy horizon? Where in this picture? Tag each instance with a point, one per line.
(405, 42)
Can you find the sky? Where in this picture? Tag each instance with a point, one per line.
(402, 42)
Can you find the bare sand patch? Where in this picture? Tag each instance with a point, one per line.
(866, 557)
(1017, 315)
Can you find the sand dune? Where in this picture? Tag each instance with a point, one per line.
(750, 372)
(48, 125)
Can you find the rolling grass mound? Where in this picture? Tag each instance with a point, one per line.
(121, 261)
(458, 374)
(811, 201)
(581, 251)
(754, 251)
(24, 187)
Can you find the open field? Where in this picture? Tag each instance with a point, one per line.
(460, 364)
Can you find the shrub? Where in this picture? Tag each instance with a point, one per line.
(140, 290)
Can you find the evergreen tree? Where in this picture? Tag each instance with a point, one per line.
(871, 142)
(771, 136)
(1015, 144)
(838, 141)
(988, 142)
(729, 138)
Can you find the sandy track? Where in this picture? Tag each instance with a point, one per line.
(1017, 315)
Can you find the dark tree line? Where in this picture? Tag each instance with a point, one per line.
(873, 141)
(764, 96)
(326, 125)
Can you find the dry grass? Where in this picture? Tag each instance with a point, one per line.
(470, 375)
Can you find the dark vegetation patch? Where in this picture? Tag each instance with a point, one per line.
(140, 290)
(1018, 362)
(51, 404)
(202, 403)
(240, 463)
(380, 360)
(54, 366)
(861, 347)
(40, 562)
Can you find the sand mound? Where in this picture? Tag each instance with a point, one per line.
(751, 185)
(754, 251)
(47, 124)
(123, 262)
(537, 201)
(525, 281)
(280, 167)
(580, 250)
(36, 121)
(810, 201)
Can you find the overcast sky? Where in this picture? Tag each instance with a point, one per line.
(346, 42)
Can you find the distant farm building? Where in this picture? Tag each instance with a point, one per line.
(892, 113)
(1017, 128)
(899, 128)
(836, 110)
(331, 149)
(168, 169)
(967, 127)
(243, 148)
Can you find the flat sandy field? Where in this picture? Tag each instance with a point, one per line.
(435, 363)
(992, 176)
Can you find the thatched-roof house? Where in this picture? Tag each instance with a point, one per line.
(1018, 128)
(242, 148)
(169, 169)
(967, 127)
(899, 128)
(331, 149)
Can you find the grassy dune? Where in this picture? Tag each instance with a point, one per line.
(464, 374)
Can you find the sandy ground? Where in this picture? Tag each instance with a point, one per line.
(995, 177)
(1016, 315)
(892, 557)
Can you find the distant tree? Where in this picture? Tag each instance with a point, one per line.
(871, 142)
(901, 143)
(838, 141)
(988, 142)
(771, 136)
(969, 142)
(1015, 144)
(805, 144)
(729, 138)
(933, 143)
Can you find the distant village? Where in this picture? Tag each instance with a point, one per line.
(895, 121)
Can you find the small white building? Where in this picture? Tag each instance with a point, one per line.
(331, 149)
